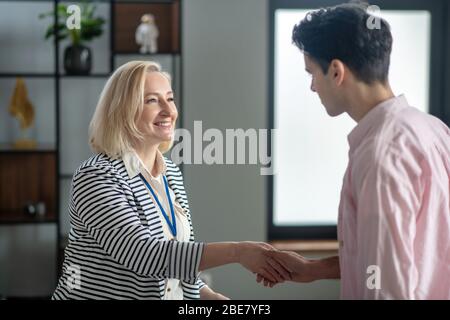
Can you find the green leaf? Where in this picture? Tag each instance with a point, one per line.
(62, 31)
(45, 14)
(62, 10)
(91, 26)
(89, 11)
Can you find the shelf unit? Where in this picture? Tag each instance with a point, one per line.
(44, 163)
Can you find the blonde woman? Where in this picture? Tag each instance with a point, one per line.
(131, 233)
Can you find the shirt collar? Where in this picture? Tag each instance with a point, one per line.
(134, 165)
(375, 116)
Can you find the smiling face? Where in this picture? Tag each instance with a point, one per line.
(157, 121)
(325, 86)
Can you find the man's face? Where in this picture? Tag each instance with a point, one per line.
(324, 86)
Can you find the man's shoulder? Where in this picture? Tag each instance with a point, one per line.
(412, 130)
(407, 129)
(400, 136)
(417, 123)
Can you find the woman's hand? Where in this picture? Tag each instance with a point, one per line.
(303, 269)
(300, 268)
(254, 257)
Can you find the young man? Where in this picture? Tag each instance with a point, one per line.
(394, 213)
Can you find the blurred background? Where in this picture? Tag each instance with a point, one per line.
(233, 66)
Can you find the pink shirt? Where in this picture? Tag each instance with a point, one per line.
(394, 214)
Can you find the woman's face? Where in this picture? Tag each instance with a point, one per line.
(157, 121)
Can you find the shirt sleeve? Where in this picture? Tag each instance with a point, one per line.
(388, 201)
(101, 200)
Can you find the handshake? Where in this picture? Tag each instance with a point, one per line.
(273, 266)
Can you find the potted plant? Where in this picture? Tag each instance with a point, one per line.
(77, 56)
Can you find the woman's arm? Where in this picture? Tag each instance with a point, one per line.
(251, 255)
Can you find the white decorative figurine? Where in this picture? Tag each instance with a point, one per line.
(147, 34)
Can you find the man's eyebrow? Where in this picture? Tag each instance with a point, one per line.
(307, 70)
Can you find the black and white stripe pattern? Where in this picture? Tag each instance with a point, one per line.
(116, 243)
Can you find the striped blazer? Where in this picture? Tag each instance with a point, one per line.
(116, 248)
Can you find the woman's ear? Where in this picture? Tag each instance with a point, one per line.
(337, 69)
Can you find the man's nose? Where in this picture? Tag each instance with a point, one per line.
(313, 89)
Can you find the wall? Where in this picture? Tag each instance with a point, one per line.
(225, 86)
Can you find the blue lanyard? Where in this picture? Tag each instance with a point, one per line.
(173, 225)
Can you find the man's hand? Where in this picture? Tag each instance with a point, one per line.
(302, 269)
(299, 267)
(253, 256)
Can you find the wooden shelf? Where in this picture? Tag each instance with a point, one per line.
(93, 75)
(17, 217)
(27, 177)
(128, 17)
(306, 245)
(126, 53)
(53, 75)
(40, 148)
(22, 1)
(27, 75)
(127, 1)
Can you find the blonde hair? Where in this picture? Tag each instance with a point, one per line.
(113, 129)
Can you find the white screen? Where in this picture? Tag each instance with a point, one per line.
(310, 148)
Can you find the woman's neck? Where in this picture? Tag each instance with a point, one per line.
(147, 154)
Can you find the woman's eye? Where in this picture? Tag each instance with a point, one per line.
(151, 100)
(171, 99)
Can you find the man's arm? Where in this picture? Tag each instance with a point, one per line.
(306, 270)
(388, 199)
(327, 268)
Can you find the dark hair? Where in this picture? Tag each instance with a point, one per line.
(342, 32)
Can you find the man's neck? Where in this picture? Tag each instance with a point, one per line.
(364, 98)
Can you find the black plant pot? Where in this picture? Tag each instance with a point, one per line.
(77, 59)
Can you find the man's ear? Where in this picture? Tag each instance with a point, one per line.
(337, 71)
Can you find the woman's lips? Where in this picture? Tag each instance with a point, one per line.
(163, 124)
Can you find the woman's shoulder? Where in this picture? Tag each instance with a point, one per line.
(101, 163)
(172, 169)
